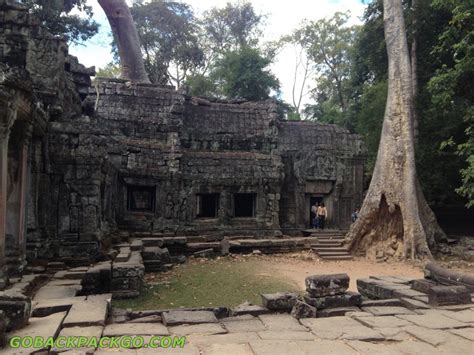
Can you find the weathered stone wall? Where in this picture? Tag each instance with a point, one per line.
(324, 162)
(85, 160)
(40, 83)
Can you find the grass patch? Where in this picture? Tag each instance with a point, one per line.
(207, 283)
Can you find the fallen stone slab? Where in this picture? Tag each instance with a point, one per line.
(383, 322)
(49, 292)
(449, 277)
(92, 311)
(392, 279)
(280, 301)
(326, 285)
(219, 349)
(348, 299)
(43, 327)
(387, 311)
(465, 316)
(448, 295)
(89, 332)
(238, 318)
(413, 304)
(285, 335)
(337, 312)
(395, 302)
(467, 333)
(423, 285)
(116, 330)
(47, 307)
(16, 309)
(340, 328)
(434, 337)
(248, 308)
(281, 322)
(393, 333)
(303, 310)
(409, 293)
(367, 348)
(198, 329)
(433, 321)
(244, 325)
(150, 319)
(178, 317)
(228, 338)
(63, 282)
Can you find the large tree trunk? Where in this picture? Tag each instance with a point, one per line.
(126, 37)
(414, 68)
(395, 219)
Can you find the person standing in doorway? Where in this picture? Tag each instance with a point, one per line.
(314, 215)
(322, 213)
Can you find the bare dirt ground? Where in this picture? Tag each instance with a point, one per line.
(295, 268)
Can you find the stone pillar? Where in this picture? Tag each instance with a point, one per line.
(4, 135)
(24, 175)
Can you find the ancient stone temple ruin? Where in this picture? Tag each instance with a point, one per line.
(80, 160)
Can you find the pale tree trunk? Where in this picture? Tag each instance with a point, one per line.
(395, 220)
(126, 37)
(414, 64)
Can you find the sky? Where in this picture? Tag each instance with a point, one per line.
(283, 16)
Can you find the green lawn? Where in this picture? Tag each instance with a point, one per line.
(224, 282)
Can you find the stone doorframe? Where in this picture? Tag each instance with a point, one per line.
(15, 106)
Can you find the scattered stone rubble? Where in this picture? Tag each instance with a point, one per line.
(389, 317)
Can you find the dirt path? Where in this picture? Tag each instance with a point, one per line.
(295, 270)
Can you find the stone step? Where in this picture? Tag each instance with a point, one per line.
(331, 237)
(337, 257)
(327, 241)
(330, 249)
(326, 245)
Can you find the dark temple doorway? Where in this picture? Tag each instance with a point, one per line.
(313, 200)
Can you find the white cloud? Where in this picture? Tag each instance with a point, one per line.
(282, 18)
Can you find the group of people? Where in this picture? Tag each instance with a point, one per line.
(319, 214)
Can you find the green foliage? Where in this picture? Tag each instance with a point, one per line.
(244, 74)
(111, 70)
(328, 44)
(452, 87)
(233, 27)
(201, 85)
(370, 118)
(169, 39)
(56, 16)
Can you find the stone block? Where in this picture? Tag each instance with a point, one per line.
(280, 301)
(16, 309)
(248, 308)
(327, 285)
(206, 253)
(423, 285)
(392, 302)
(116, 330)
(336, 312)
(303, 310)
(447, 295)
(178, 317)
(281, 322)
(348, 299)
(387, 311)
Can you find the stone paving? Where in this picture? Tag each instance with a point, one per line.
(398, 324)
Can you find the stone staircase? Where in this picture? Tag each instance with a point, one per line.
(328, 244)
